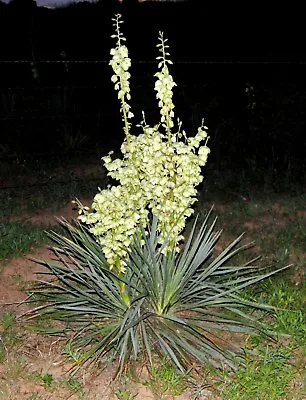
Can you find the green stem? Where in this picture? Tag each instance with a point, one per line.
(118, 29)
(124, 295)
(168, 118)
(122, 287)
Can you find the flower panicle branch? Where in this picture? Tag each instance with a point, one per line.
(120, 64)
(164, 85)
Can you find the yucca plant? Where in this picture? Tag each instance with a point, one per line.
(183, 306)
(121, 283)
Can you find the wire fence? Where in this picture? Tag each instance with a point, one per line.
(20, 78)
(209, 62)
(65, 101)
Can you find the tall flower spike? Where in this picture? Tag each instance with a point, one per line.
(120, 64)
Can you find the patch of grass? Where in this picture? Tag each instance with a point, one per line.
(122, 394)
(288, 319)
(17, 238)
(278, 227)
(10, 337)
(265, 378)
(14, 368)
(18, 280)
(51, 184)
(47, 380)
(293, 235)
(8, 320)
(204, 383)
(165, 380)
(289, 303)
(282, 238)
(125, 389)
(73, 384)
(33, 396)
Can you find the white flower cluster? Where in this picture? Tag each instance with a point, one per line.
(158, 174)
(116, 213)
(120, 64)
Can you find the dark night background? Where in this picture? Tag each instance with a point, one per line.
(242, 68)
